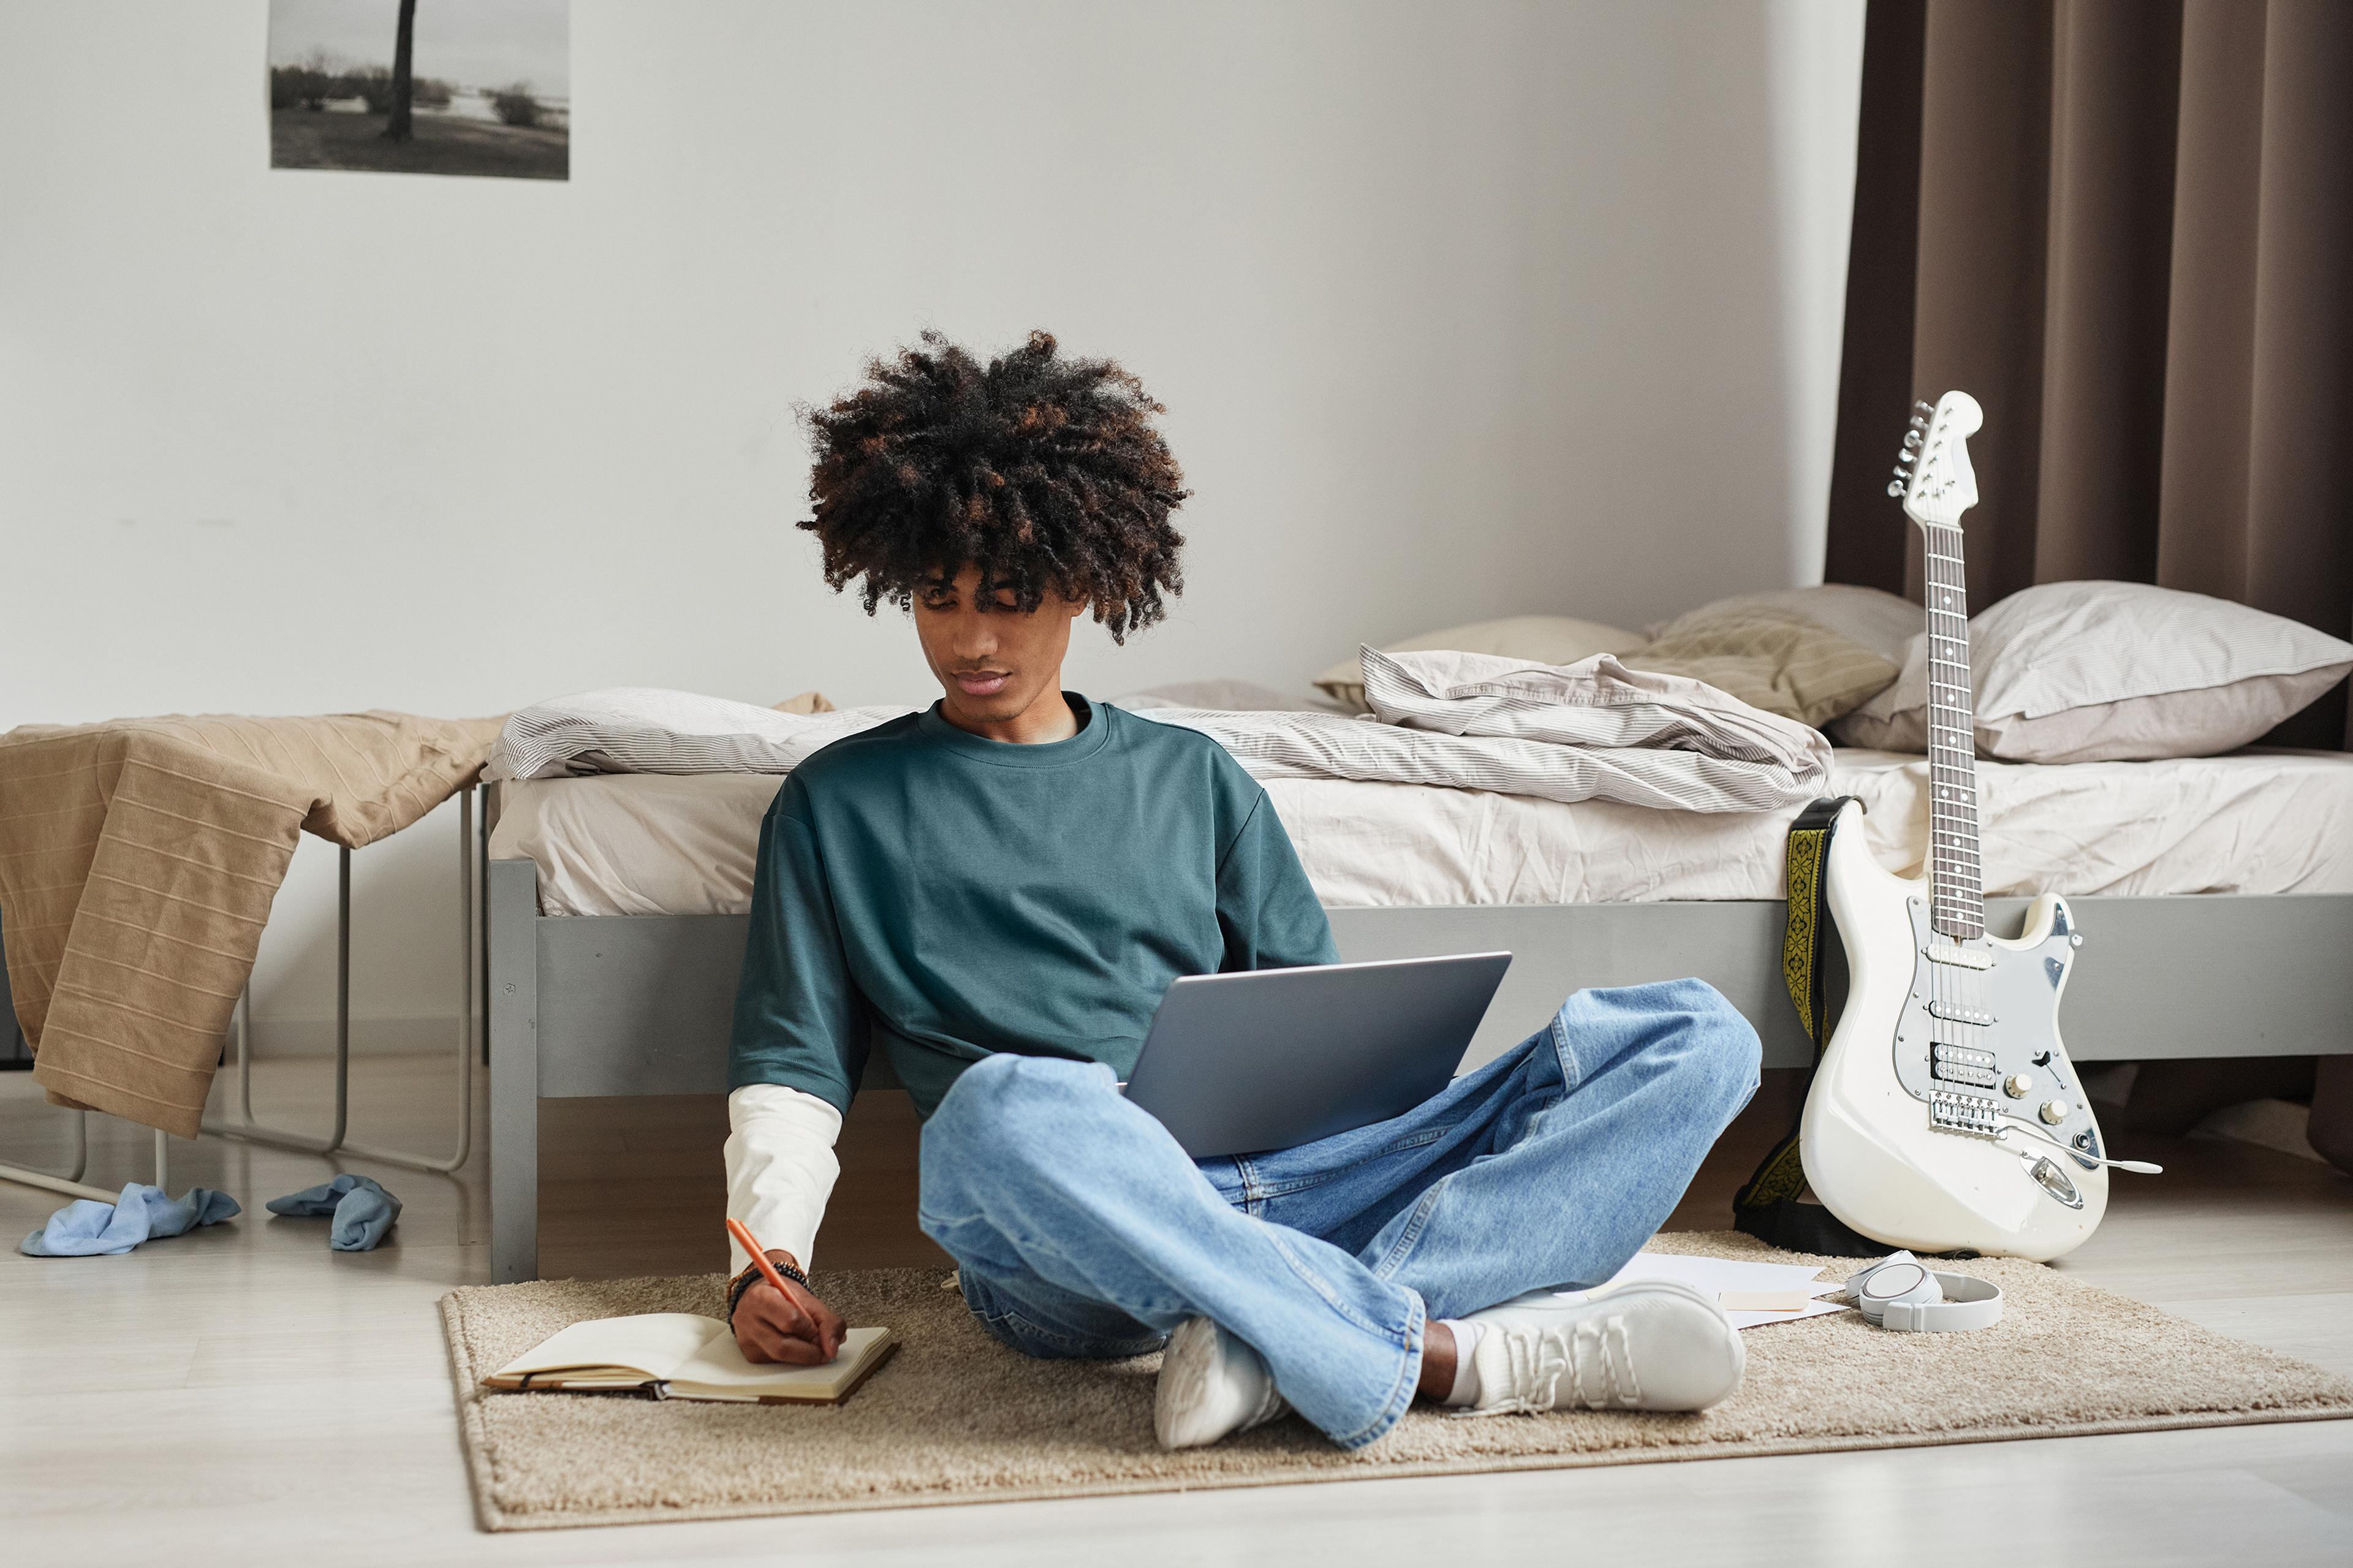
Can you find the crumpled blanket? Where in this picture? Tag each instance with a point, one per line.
(1566, 732)
(1464, 720)
(362, 1209)
(87, 1228)
(138, 859)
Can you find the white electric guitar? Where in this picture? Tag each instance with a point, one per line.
(1944, 1114)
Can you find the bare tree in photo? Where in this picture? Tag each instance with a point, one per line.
(470, 87)
(397, 128)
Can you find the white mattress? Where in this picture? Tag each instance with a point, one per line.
(2255, 822)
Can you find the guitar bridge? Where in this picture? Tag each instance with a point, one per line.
(1971, 1114)
(1964, 1064)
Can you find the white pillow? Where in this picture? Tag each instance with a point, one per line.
(1540, 640)
(1883, 622)
(2085, 672)
(647, 730)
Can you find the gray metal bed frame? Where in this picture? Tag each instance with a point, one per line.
(639, 1005)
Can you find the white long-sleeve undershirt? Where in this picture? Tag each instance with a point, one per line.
(780, 1167)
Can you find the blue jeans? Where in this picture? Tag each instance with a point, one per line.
(1080, 1228)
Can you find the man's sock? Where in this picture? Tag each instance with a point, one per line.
(1466, 1380)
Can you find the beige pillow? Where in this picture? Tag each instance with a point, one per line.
(1769, 658)
(1545, 639)
(2084, 672)
(1220, 696)
(1883, 622)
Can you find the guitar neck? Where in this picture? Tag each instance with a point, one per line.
(1955, 875)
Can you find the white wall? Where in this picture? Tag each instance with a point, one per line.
(1459, 310)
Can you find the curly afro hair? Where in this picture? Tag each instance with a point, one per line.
(1043, 471)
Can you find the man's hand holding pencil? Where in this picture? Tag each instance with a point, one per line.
(777, 1317)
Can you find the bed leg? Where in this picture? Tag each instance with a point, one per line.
(513, 906)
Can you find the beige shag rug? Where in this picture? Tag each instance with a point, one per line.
(954, 1417)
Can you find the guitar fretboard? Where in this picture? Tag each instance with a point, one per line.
(1955, 875)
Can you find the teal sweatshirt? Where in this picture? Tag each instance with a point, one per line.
(944, 896)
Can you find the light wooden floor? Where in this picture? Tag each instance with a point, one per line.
(242, 1396)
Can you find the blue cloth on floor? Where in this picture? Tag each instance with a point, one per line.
(364, 1211)
(87, 1228)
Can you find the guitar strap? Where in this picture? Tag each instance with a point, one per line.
(1767, 1207)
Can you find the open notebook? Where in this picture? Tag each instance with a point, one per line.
(680, 1355)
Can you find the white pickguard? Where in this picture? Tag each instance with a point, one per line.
(1871, 1153)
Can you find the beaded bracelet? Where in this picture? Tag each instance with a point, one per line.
(745, 1281)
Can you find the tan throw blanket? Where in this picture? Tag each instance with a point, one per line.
(138, 859)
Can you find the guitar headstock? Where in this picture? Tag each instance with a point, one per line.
(1932, 477)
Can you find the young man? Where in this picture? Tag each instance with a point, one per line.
(997, 892)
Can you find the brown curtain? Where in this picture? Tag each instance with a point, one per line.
(2126, 227)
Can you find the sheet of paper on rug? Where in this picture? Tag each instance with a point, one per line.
(1764, 1300)
(1716, 1276)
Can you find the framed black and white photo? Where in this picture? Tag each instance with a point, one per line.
(422, 87)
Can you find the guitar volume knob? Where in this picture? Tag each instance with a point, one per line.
(2053, 1112)
(2017, 1085)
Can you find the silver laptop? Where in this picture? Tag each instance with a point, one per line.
(1271, 1058)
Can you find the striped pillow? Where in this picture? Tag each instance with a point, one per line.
(1881, 620)
(1769, 658)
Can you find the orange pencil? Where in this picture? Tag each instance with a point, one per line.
(751, 1243)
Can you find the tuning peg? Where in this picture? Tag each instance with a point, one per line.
(1896, 489)
(1919, 422)
(1912, 442)
(1903, 457)
(1923, 409)
(1900, 476)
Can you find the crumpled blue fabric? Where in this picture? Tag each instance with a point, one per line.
(87, 1228)
(364, 1211)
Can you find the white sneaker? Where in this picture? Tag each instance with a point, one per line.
(1211, 1386)
(1649, 1344)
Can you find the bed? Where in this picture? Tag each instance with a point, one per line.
(2217, 894)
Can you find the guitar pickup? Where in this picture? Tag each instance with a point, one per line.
(1962, 1064)
(1972, 1114)
(1954, 1013)
(1960, 957)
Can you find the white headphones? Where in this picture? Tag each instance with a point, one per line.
(1899, 1292)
